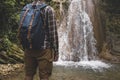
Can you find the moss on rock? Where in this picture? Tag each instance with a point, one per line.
(10, 52)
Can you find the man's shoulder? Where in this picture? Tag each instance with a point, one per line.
(49, 9)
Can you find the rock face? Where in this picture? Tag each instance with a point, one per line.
(99, 31)
(105, 16)
(110, 19)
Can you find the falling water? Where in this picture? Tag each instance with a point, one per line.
(76, 40)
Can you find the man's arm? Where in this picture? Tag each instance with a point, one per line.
(53, 32)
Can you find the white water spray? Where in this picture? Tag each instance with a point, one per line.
(76, 41)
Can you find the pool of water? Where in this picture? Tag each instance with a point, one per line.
(80, 73)
(77, 73)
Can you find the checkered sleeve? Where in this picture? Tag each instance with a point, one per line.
(53, 35)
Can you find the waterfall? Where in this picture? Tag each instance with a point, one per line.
(77, 45)
(77, 42)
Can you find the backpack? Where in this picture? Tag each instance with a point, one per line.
(31, 30)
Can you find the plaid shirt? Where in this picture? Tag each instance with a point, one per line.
(51, 37)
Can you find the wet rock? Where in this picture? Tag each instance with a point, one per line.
(9, 69)
(106, 54)
(116, 45)
(3, 57)
(110, 15)
(10, 52)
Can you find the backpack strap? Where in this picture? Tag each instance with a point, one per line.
(26, 9)
(21, 22)
(29, 29)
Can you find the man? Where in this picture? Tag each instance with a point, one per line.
(43, 59)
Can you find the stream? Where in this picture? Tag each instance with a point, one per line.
(76, 73)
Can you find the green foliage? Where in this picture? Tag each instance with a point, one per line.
(112, 2)
(111, 9)
(9, 14)
(114, 25)
(56, 8)
(6, 10)
(9, 52)
(5, 44)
